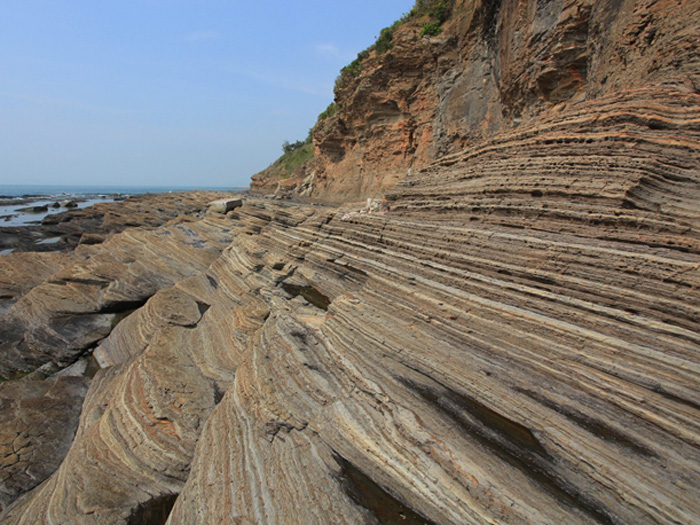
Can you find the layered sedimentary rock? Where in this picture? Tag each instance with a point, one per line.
(22, 271)
(66, 315)
(94, 224)
(515, 340)
(512, 336)
(496, 65)
(488, 350)
(50, 319)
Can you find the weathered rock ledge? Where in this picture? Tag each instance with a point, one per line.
(514, 340)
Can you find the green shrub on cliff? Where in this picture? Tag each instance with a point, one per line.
(431, 28)
(295, 154)
(353, 69)
(288, 147)
(438, 11)
(386, 38)
(329, 111)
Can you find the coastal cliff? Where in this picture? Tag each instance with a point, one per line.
(495, 65)
(512, 335)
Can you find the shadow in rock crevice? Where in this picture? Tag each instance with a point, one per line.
(155, 511)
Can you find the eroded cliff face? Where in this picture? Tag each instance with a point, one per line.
(496, 66)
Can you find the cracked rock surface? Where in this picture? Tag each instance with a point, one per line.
(38, 420)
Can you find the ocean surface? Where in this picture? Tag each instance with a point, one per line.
(18, 190)
(15, 197)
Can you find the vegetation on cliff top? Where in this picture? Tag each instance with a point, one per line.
(294, 155)
(329, 111)
(436, 13)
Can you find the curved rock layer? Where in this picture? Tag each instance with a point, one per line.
(137, 432)
(476, 364)
(417, 365)
(514, 341)
(66, 315)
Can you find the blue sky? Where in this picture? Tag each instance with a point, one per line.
(168, 92)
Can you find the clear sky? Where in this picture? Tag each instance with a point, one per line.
(168, 92)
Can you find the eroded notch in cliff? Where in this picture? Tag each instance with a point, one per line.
(386, 508)
(214, 284)
(488, 16)
(510, 441)
(202, 307)
(122, 307)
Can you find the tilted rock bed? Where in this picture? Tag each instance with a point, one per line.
(515, 340)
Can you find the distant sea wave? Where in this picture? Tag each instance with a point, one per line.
(17, 190)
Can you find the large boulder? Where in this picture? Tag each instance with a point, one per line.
(225, 205)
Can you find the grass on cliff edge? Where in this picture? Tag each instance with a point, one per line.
(433, 12)
(291, 161)
(298, 153)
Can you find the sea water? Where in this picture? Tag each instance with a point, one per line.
(18, 190)
(16, 196)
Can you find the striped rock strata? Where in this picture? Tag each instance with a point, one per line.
(63, 317)
(495, 66)
(50, 326)
(515, 341)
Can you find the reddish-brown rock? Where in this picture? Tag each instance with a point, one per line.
(496, 66)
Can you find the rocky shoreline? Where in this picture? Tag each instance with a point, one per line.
(40, 406)
(507, 331)
(337, 357)
(64, 230)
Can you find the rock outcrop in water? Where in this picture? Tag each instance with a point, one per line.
(511, 337)
(93, 225)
